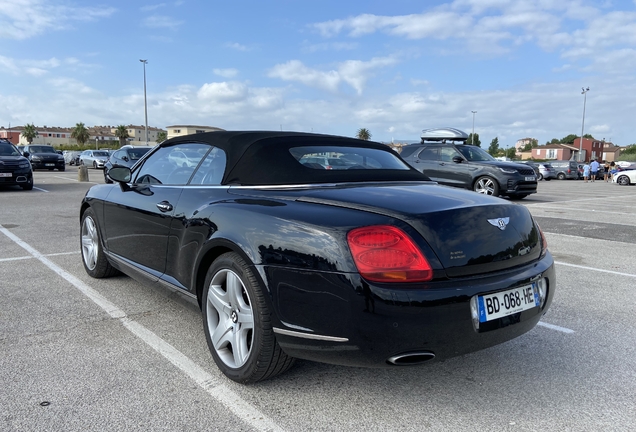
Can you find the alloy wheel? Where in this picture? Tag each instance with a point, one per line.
(485, 186)
(230, 318)
(90, 241)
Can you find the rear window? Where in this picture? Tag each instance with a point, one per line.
(346, 158)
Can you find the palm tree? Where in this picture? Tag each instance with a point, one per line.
(162, 136)
(80, 133)
(122, 133)
(29, 132)
(364, 134)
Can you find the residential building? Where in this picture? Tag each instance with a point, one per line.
(592, 149)
(180, 130)
(137, 134)
(521, 143)
(101, 136)
(610, 152)
(11, 134)
(555, 152)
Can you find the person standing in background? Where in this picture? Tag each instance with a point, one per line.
(594, 169)
(606, 174)
(586, 171)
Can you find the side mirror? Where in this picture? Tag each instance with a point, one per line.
(457, 159)
(120, 174)
(25, 154)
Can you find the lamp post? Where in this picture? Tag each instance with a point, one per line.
(145, 100)
(472, 137)
(584, 93)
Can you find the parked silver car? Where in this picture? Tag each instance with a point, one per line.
(94, 158)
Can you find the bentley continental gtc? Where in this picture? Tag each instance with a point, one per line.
(368, 263)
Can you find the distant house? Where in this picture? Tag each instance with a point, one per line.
(521, 143)
(610, 152)
(592, 149)
(555, 152)
(180, 130)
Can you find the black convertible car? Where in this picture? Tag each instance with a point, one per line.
(367, 263)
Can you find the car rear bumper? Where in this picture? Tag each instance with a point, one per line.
(344, 320)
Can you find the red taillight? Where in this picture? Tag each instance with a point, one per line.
(384, 253)
(544, 242)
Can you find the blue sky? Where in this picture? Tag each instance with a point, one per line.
(393, 67)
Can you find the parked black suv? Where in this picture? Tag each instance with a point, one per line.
(44, 157)
(15, 169)
(444, 157)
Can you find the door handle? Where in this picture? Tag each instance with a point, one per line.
(164, 206)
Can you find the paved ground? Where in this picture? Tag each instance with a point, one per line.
(80, 354)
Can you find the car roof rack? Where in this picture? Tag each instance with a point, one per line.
(443, 135)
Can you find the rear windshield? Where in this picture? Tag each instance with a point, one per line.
(346, 158)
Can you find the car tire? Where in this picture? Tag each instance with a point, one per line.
(539, 176)
(107, 179)
(95, 262)
(547, 179)
(62, 169)
(94, 165)
(561, 176)
(487, 186)
(623, 180)
(237, 323)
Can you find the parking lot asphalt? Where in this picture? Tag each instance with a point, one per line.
(79, 354)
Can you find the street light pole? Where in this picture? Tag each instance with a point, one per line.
(472, 137)
(584, 93)
(145, 100)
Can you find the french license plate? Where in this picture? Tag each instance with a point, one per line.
(49, 164)
(531, 178)
(504, 303)
(5, 174)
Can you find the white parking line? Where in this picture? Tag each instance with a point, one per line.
(555, 327)
(595, 269)
(219, 391)
(31, 256)
(40, 189)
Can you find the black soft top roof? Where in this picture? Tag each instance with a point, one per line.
(263, 158)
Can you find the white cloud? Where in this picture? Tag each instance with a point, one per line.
(226, 73)
(161, 21)
(223, 91)
(22, 19)
(237, 46)
(353, 72)
(295, 70)
(152, 7)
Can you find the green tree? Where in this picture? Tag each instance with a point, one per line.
(493, 148)
(628, 153)
(511, 152)
(29, 132)
(473, 140)
(162, 136)
(80, 134)
(363, 134)
(121, 132)
(568, 139)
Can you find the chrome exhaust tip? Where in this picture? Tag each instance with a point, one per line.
(411, 358)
